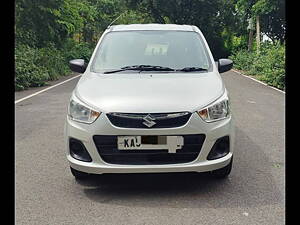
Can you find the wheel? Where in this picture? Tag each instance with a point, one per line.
(78, 174)
(223, 172)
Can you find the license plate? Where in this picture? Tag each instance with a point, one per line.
(170, 143)
(129, 142)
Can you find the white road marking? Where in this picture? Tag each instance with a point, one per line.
(258, 81)
(46, 89)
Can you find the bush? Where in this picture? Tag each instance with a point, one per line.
(27, 71)
(53, 60)
(34, 66)
(74, 50)
(268, 66)
(243, 60)
(25, 37)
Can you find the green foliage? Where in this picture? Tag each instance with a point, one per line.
(268, 66)
(232, 42)
(35, 66)
(74, 50)
(242, 60)
(134, 17)
(26, 37)
(50, 33)
(271, 13)
(273, 22)
(54, 61)
(207, 15)
(27, 71)
(44, 39)
(39, 17)
(262, 7)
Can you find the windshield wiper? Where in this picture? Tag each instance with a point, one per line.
(155, 68)
(149, 68)
(191, 69)
(141, 68)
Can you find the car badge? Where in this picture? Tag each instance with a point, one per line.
(149, 121)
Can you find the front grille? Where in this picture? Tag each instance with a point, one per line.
(146, 120)
(108, 150)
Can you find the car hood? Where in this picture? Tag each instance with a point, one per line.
(149, 92)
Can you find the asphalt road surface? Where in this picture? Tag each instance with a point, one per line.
(254, 193)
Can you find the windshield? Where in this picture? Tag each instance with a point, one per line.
(173, 49)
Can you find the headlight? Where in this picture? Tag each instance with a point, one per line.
(81, 113)
(216, 111)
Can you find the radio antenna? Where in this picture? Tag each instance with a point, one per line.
(115, 20)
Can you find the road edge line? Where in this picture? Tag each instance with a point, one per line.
(258, 81)
(46, 89)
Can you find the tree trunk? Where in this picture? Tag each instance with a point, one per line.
(250, 40)
(257, 35)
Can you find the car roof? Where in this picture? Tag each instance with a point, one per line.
(153, 26)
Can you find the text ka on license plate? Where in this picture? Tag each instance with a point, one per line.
(129, 142)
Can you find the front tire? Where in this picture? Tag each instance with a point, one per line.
(223, 172)
(78, 174)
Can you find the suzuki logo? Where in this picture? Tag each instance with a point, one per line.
(149, 121)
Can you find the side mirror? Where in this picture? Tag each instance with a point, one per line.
(224, 65)
(78, 65)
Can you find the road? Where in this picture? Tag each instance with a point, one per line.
(47, 193)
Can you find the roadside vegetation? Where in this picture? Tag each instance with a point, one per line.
(50, 33)
(268, 66)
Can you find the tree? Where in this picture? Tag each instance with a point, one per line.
(261, 7)
(268, 15)
(273, 22)
(37, 21)
(207, 15)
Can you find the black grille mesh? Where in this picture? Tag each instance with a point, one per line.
(108, 150)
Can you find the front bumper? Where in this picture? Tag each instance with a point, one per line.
(195, 125)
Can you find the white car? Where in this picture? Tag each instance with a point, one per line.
(150, 100)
